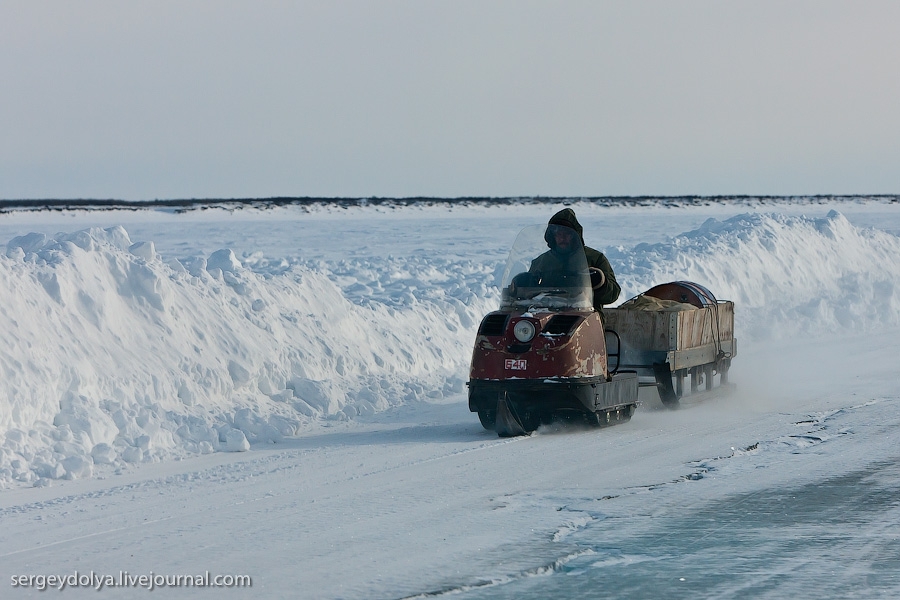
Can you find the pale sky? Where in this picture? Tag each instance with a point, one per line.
(139, 100)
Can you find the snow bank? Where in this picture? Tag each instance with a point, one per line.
(114, 355)
(788, 276)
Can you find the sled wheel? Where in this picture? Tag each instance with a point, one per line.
(723, 371)
(667, 394)
(488, 418)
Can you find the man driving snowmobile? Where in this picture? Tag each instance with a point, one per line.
(561, 229)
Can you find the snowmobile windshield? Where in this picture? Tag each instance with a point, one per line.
(547, 269)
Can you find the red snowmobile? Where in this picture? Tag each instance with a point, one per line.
(543, 354)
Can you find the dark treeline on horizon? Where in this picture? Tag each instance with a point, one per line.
(184, 205)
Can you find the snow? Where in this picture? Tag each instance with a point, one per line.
(281, 393)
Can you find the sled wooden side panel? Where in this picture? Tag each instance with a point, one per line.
(678, 330)
(647, 330)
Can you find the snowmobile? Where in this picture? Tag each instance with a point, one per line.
(547, 353)
(543, 354)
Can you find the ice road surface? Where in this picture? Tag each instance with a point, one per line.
(280, 394)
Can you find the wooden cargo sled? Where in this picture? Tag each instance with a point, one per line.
(672, 332)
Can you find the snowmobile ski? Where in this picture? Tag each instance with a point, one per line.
(507, 423)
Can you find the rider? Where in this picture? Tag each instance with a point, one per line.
(560, 237)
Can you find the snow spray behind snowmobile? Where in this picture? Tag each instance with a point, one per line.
(543, 354)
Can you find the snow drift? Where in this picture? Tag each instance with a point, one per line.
(787, 276)
(114, 354)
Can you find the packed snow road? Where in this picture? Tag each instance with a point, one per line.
(144, 352)
(742, 495)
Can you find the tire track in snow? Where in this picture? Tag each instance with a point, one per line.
(279, 463)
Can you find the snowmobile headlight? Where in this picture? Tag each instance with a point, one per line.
(524, 331)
